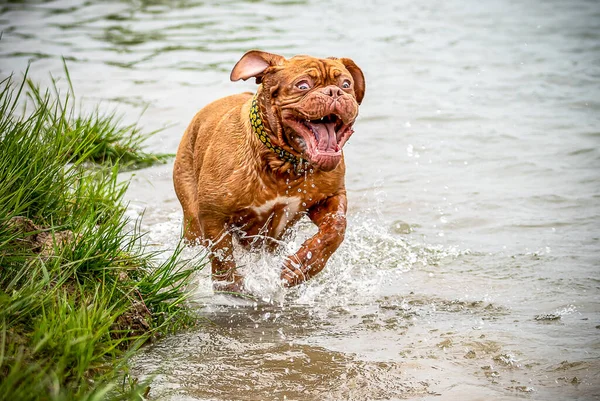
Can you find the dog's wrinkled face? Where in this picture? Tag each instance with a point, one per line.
(318, 107)
(314, 101)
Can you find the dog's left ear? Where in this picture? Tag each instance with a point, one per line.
(254, 64)
(357, 76)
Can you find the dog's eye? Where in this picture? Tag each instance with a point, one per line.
(304, 85)
(346, 84)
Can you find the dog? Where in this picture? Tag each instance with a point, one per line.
(251, 165)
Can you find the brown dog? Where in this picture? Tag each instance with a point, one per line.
(251, 165)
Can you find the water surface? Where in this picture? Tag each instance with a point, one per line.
(471, 267)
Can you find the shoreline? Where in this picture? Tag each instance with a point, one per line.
(80, 292)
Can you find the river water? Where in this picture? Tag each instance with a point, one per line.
(471, 267)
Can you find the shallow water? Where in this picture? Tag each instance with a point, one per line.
(471, 266)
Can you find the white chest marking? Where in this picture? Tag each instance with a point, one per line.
(291, 208)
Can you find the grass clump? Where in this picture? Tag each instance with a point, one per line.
(78, 291)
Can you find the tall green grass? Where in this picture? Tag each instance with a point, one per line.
(78, 291)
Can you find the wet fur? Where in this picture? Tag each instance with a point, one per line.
(227, 180)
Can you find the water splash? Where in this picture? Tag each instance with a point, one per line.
(556, 315)
(371, 257)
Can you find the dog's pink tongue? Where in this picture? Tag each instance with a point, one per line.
(327, 140)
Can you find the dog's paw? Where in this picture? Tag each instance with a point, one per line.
(292, 275)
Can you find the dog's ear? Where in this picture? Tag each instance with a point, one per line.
(254, 64)
(357, 76)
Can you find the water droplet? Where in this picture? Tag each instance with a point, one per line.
(309, 255)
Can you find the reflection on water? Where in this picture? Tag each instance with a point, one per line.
(470, 268)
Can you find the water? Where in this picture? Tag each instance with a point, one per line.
(471, 268)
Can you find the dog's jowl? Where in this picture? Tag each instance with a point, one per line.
(251, 165)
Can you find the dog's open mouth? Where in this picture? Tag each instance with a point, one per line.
(327, 133)
(320, 140)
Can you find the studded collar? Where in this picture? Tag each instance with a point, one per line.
(259, 130)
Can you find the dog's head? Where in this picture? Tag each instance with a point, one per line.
(310, 103)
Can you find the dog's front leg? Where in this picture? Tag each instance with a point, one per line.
(223, 268)
(330, 218)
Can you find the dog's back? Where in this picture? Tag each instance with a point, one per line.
(207, 124)
(201, 148)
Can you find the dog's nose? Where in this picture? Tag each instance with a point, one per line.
(332, 91)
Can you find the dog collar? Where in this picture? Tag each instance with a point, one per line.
(259, 129)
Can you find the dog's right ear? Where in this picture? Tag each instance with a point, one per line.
(254, 64)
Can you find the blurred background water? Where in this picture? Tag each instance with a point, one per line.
(471, 269)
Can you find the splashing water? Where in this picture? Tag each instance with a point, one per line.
(370, 257)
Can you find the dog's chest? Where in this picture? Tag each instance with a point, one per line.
(288, 204)
(271, 217)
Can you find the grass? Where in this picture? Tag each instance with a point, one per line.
(79, 293)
